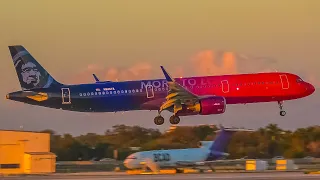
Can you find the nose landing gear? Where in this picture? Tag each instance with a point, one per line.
(282, 112)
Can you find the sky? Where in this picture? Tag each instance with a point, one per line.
(126, 40)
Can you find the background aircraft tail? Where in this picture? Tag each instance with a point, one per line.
(30, 73)
(221, 142)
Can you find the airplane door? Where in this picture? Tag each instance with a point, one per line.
(284, 81)
(149, 91)
(225, 86)
(65, 93)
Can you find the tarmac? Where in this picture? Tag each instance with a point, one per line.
(124, 176)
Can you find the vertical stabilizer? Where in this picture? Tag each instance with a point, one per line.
(30, 73)
(221, 142)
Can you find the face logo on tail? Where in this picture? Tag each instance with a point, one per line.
(31, 74)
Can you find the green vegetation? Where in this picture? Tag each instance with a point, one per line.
(263, 143)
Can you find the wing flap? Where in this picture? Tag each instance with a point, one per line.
(168, 104)
(177, 94)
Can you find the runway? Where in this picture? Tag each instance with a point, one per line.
(123, 176)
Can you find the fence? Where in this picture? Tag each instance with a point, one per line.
(97, 166)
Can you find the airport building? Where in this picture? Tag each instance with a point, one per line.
(24, 152)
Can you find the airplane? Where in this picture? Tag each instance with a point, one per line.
(209, 153)
(205, 95)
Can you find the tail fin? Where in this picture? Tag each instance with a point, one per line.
(222, 141)
(30, 73)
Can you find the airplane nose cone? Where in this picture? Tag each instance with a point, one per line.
(127, 163)
(310, 88)
(313, 89)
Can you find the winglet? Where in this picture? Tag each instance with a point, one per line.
(95, 77)
(167, 75)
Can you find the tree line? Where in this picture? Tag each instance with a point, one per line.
(265, 142)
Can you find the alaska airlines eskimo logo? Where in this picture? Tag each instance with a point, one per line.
(30, 73)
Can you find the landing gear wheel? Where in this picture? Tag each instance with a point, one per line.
(174, 119)
(283, 113)
(159, 120)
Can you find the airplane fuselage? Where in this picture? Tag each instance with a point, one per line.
(167, 158)
(150, 94)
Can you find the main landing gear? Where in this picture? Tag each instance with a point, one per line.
(174, 119)
(159, 120)
(282, 112)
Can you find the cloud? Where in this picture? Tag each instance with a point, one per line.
(203, 63)
(137, 71)
(179, 72)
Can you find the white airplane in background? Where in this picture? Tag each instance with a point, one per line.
(206, 155)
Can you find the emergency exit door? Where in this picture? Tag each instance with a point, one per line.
(284, 81)
(65, 93)
(225, 86)
(149, 91)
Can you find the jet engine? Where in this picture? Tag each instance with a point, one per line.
(205, 106)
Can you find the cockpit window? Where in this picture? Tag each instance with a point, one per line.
(131, 157)
(299, 80)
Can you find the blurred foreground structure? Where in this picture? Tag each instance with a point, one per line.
(24, 152)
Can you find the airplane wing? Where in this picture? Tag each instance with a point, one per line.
(177, 94)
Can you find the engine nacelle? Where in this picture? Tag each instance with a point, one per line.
(212, 105)
(206, 106)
